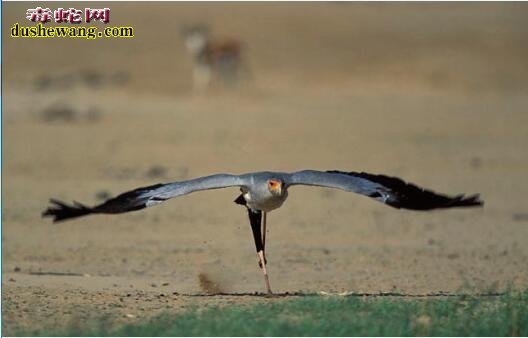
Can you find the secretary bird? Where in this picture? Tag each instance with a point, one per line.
(262, 192)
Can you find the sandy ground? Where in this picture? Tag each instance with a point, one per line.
(436, 94)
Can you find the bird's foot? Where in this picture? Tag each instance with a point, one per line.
(260, 262)
(261, 257)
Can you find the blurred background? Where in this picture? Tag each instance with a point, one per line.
(435, 93)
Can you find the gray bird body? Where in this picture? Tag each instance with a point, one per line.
(257, 194)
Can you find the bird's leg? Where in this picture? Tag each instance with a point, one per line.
(262, 264)
(262, 254)
(255, 219)
(264, 214)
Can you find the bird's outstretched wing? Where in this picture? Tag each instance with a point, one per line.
(141, 197)
(389, 190)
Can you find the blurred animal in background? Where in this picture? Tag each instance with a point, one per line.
(213, 58)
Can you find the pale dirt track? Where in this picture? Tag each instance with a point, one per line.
(426, 93)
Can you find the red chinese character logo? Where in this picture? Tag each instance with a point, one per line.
(61, 15)
(75, 15)
(39, 14)
(102, 15)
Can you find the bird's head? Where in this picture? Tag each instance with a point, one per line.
(276, 186)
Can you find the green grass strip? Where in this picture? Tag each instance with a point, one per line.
(505, 315)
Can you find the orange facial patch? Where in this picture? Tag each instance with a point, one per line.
(274, 184)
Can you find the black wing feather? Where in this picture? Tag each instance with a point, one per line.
(240, 200)
(125, 202)
(61, 211)
(409, 196)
